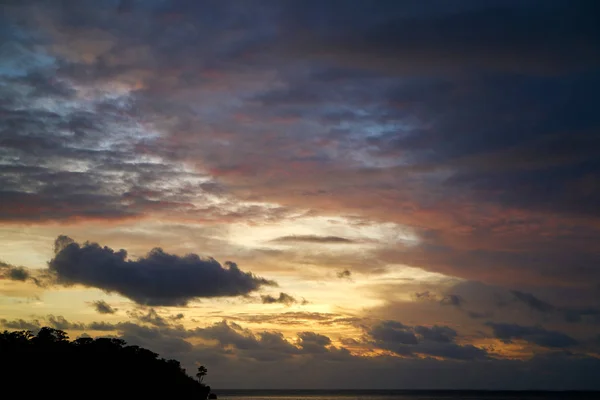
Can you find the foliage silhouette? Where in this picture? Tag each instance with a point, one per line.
(202, 371)
(86, 366)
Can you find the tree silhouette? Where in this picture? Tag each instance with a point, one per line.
(107, 367)
(202, 372)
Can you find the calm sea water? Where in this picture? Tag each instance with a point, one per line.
(398, 395)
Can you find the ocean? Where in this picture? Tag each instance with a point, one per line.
(400, 395)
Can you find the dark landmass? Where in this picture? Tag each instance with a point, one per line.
(48, 364)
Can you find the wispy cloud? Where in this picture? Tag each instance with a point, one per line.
(312, 239)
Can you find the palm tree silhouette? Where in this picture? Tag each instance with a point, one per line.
(202, 371)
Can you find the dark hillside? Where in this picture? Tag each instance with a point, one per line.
(49, 364)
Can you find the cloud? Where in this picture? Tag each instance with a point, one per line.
(157, 279)
(288, 318)
(269, 345)
(265, 345)
(102, 326)
(344, 274)
(479, 207)
(393, 332)
(18, 274)
(452, 300)
(283, 298)
(533, 302)
(100, 172)
(256, 360)
(17, 281)
(230, 334)
(61, 323)
(44, 184)
(556, 371)
(582, 314)
(177, 317)
(425, 296)
(56, 322)
(261, 367)
(441, 334)
(21, 324)
(312, 342)
(569, 314)
(312, 239)
(13, 273)
(472, 124)
(409, 32)
(170, 342)
(151, 317)
(407, 341)
(532, 334)
(103, 307)
(478, 315)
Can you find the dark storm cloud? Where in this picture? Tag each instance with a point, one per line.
(103, 307)
(312, 239)
(436, 341)
(283, 298)
(157, 279)
(532, 334)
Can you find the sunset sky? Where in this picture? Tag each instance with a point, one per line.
(309, 194)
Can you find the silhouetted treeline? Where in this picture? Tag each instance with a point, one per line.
(49, 364)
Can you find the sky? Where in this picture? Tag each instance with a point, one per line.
(309, 194)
